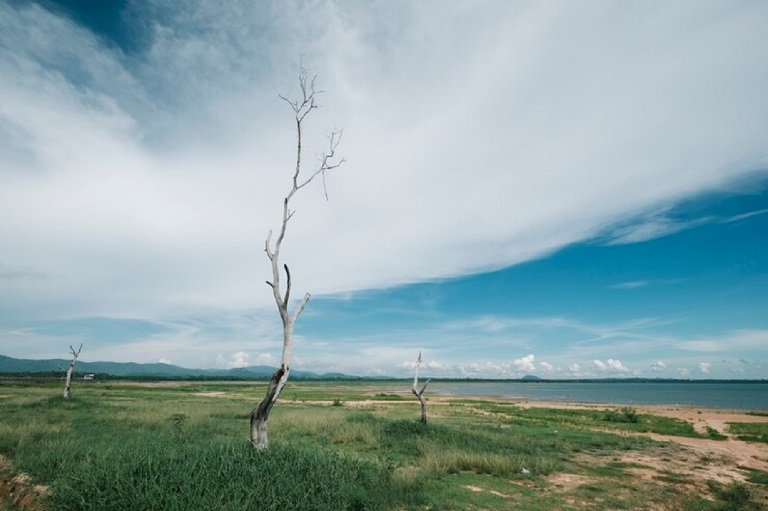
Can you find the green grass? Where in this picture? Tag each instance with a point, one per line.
(731, 497)
(624, 419)
(750, 431)
(174, 447)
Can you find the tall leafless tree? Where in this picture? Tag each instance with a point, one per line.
(68, 381)
(419, 393)
(328, 161)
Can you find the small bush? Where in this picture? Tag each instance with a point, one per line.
(626, 414)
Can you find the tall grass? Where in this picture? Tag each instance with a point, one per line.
(182, 477)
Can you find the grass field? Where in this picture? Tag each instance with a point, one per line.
(339, 446)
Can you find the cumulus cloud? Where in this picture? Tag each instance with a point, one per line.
(245, 359)
(658, 366)
(525, 363)
(704, 367)
(610, 365)
(547, 367)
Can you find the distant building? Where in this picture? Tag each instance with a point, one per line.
(88, 377)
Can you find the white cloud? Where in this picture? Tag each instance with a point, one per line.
(658, 366)
(610, 365)
(245, 359)
(209, 195)
(745, 216)
(546, 367)
(575, 369)
(704, 367)
(525, 363)
(143, 185)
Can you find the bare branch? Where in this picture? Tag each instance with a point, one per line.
(266, 245)
(301, 306)
(287, 285)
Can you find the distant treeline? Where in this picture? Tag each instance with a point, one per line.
(58, 375)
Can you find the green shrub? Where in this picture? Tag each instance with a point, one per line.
(626, 414)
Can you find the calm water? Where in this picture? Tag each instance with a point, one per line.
(749, 396)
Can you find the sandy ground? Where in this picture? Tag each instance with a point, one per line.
(736, 452)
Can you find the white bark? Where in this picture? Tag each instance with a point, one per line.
(301, 108)
(419, 393)
(68, 382)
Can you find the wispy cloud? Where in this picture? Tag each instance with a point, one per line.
(731, 341)
(744, 216)
(656, 226)
(634, 284)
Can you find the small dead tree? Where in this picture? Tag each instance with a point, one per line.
(419, 393)
(68, 381)
(328, 161)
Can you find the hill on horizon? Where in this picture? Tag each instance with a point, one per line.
(10, 365)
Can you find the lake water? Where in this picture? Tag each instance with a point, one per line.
(747, 396)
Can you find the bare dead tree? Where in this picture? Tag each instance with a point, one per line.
(419, 393)
(68, 382)
(328, 161)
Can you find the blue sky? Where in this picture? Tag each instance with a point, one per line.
(567, 189)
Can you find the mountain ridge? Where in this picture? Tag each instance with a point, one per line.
(10, 365)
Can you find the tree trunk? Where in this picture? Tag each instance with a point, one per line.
(68, 382)
(420, 393)
(260, 414)
(423, 402)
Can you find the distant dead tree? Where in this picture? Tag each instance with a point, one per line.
(68, 382)
(419, 393)
(328, 161)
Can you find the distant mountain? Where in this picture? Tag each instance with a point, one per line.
(154, 370)
(531, 377)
